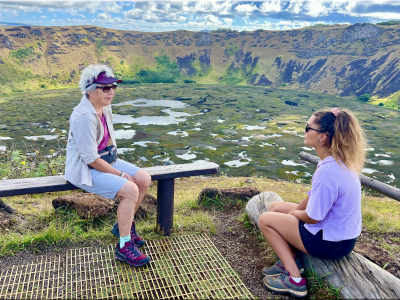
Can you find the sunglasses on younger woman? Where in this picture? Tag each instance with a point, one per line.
(308, 128)
(106, 89)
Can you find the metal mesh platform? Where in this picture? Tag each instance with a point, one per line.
(187, 267)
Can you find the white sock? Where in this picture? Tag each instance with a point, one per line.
(123, 240)
(297, 280)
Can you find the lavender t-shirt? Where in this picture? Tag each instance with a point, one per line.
(335, 201)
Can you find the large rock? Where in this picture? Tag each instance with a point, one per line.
(360, 31)
(5, 216)
(5, 221)
(91, 205)
(205, 40)
(86, 204)
(259, 204)
(243, 193)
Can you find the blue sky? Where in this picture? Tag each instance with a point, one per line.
(197, 15)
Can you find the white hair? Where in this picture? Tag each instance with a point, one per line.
(89, 74)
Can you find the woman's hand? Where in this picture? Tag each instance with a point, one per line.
(127, 176)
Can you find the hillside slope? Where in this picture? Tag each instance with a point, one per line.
(342, 60)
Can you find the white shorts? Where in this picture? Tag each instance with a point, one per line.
(107, 184)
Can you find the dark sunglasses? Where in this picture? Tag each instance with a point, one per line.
(106, 89)
(308, 128)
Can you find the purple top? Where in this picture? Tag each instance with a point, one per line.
(335, 201)
(104, 141)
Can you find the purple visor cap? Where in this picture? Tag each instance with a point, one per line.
(103, 79)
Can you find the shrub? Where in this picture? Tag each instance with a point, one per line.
(189, 81)
(381, 104)
(364, 97)
(231, 50)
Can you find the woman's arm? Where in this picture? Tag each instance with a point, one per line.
(303, 204)
(302, 216)
(300, 212)
(103, 166)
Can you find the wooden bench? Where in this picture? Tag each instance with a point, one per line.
(165, 175)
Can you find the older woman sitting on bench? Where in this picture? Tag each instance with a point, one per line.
(92, 163)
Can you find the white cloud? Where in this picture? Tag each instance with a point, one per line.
(206, 21)
(227, 21)
(380, 15)
(246, 9)
(315, 9)
(53, 20)
(219, 8)
(43, 17)
(271, 7)
(295, 7)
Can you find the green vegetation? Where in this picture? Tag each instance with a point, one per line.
(319, 288)
(392, 101)
(318, 25)
(100, 47)
(231, 50)
(364, 97)
(223, 30)
(23, 53)
(15, 164)
(390, 22)
(166, 71)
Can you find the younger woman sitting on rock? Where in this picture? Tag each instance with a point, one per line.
(327, 222)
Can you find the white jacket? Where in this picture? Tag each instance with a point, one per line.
(85, 134)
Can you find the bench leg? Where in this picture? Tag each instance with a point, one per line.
(165, 205)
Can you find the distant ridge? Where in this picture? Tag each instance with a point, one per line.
(345, 60)
(3, 24)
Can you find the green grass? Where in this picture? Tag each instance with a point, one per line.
(318, 287)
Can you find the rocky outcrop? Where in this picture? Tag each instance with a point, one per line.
(185, 42)
(360, 31)
(242, 194)
(151, 42)
(167, 43)
(114, 43)
(185, 64)
(7, 42)
(20, 35)
(36, 32)
(205, 40)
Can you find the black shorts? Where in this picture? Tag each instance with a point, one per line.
(320, 248)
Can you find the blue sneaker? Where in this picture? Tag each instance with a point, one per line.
(285, 284)
(134, 235)
(278, 268)
(131, 254)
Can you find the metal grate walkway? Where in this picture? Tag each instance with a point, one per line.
(186, 267)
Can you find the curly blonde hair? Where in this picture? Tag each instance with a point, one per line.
(346, 137)
(89, 74)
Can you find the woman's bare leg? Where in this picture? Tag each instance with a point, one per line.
(142, 180)
(126, 209)
(284, 208)
(281, 231)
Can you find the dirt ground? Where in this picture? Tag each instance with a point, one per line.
(244, 253)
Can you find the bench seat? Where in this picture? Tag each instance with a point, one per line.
(165, 175)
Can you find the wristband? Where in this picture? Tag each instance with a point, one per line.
(122, 174)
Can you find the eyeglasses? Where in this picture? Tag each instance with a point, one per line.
(308, 128)
(107, 89)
